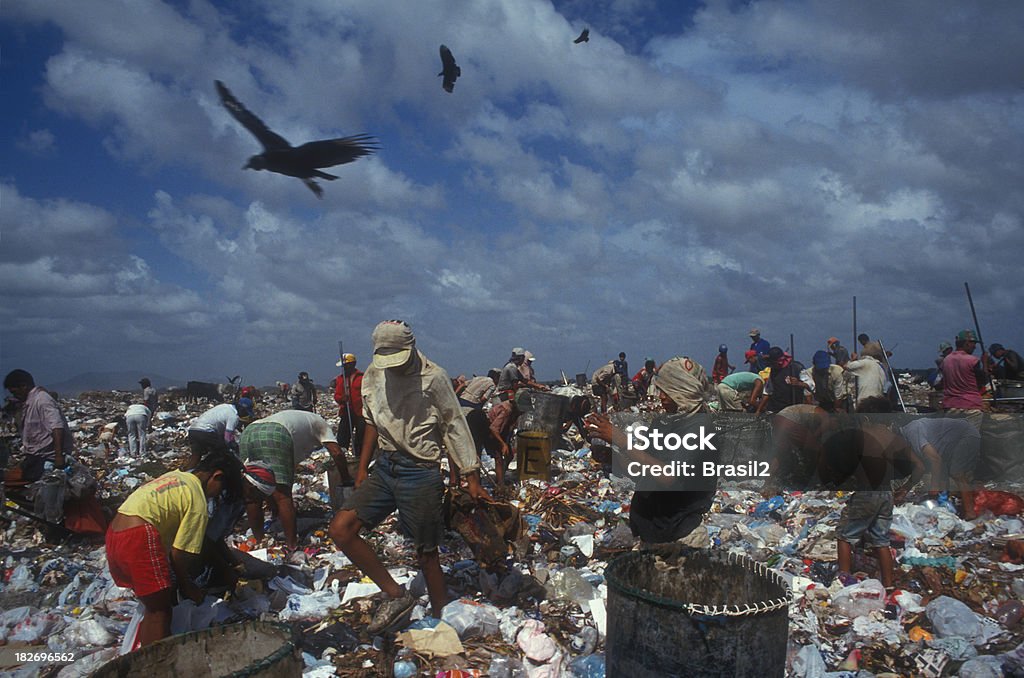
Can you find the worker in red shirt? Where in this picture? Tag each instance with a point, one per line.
(348, 394)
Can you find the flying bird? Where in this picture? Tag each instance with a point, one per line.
(296, 161)
(449, 69)
(584, 37)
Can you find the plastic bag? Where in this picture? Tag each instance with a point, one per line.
(950, 617)
(808, 663)
(33, 629)
(470, 619)
(48, 495)
(590, 666)
(313, 606)
(860, 599)
(506, 667)
(131, 642)
(998, 502)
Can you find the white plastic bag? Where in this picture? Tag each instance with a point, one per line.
(312, 606)
(131, 641)
(470, 619)
(860, 599)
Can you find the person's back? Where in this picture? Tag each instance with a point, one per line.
(960, 386)
(870, 377)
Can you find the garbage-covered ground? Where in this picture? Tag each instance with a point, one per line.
(538, 607)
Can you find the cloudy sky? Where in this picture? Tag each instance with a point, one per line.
(692, 171)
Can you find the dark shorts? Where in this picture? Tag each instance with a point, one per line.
(414, 487)
(32, 467)
(867, 515)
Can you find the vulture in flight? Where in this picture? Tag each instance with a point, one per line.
(584, 37)
(296, 161)
(449, 69)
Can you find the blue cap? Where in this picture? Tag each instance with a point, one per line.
(821, 360)
(245, 404)
(722, 348)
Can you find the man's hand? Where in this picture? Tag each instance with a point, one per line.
(475, 489)
(361, 475)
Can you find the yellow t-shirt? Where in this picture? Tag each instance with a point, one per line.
(175, 504)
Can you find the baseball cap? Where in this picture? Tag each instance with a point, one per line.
(519, 350)
(992, 348)
(775, 354)
(754, 332)
(245, 404)
(346, 359)
(945, 346)
(529, 356)
(821, 360)
(722, 348)
(749, 354)
(393, 343)
(261, 476)
(966, 335)
(833, 340)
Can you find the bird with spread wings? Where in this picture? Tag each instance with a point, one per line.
(302, 161)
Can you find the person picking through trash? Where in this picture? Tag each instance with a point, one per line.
(45, 435)
(136, 419)
(829, 381)
(283, 441)
(215, 429)
(160, 528)
(643, 379)
(411, 411)
(666, 515)
(1006, 363)
(259, 483)
(869, 456)
(304, 393)
(948, 448)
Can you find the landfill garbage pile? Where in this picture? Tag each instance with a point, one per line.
(526, 580)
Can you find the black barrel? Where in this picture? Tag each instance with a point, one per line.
(245, 650)
(695, 612)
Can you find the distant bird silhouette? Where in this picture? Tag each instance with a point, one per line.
(584, 37)
(295, 161)
(449, 69)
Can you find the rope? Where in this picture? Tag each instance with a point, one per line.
(615, 578)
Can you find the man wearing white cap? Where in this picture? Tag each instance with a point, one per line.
(411, 411)
(528, 373)
(511, 376)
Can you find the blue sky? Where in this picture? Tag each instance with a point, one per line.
(692, 171)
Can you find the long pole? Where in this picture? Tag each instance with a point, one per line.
(791, 351)
(981, 342)
(892, 375)
(348, 397)
(854, 344)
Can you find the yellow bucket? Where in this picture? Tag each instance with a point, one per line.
(533, 455)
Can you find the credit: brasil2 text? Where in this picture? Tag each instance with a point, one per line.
(708, 469)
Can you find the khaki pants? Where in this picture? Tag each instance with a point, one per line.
(730, 399)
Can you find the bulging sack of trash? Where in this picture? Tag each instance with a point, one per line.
(860, 599)
(950, 617)
(187, 616)
(471, 619)
(80, 481)
(48, 496)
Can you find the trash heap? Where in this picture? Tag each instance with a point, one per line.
(526, 576)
